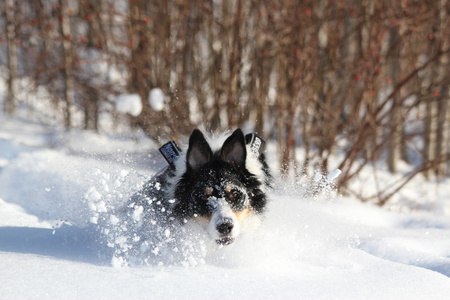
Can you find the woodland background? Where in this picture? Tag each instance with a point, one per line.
(366, 81)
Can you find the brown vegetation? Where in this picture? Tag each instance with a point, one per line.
(368, 80)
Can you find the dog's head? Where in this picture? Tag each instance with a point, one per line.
(218, 187)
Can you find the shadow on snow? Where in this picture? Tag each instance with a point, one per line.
(67, 243)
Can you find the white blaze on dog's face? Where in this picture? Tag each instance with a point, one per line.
(228, 209)
(224, 226)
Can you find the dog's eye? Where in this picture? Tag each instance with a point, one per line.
(234, 195)
(237, 200)
(204, 197)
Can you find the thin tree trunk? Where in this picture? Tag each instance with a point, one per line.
(234, 67)
(431, 103)
(217, 85)
(443, 98)
(10, 102)
(91, 92)
(281, 118)
(395, 122)
(68, 78)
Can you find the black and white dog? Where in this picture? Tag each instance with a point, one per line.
(220, 182)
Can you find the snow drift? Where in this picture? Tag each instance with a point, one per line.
(60, 212)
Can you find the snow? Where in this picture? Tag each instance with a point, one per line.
(130, 104)
(312, 244)
(156, 99)
(334, 174)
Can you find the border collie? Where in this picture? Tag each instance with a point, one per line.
(220, 181)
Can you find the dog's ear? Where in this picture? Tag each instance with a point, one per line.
(233, 149)
(199, 152)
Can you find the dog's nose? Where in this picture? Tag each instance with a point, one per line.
(225, 227)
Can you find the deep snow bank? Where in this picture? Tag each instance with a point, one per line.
(304, 222)
(58, 187)
(311, 244)
(84, 192)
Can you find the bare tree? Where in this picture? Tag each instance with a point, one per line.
(395, 117)
(67, 71)
(442, 91)
(10, 102)
(364, 80)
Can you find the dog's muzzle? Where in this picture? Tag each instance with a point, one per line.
(223, 227)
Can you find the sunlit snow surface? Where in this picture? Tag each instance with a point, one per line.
(64, 235)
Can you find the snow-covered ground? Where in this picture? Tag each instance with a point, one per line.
(56, 187)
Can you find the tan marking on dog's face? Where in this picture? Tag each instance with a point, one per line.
(228, 188)
(203, 218)
(209, 191)
(242, 215)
